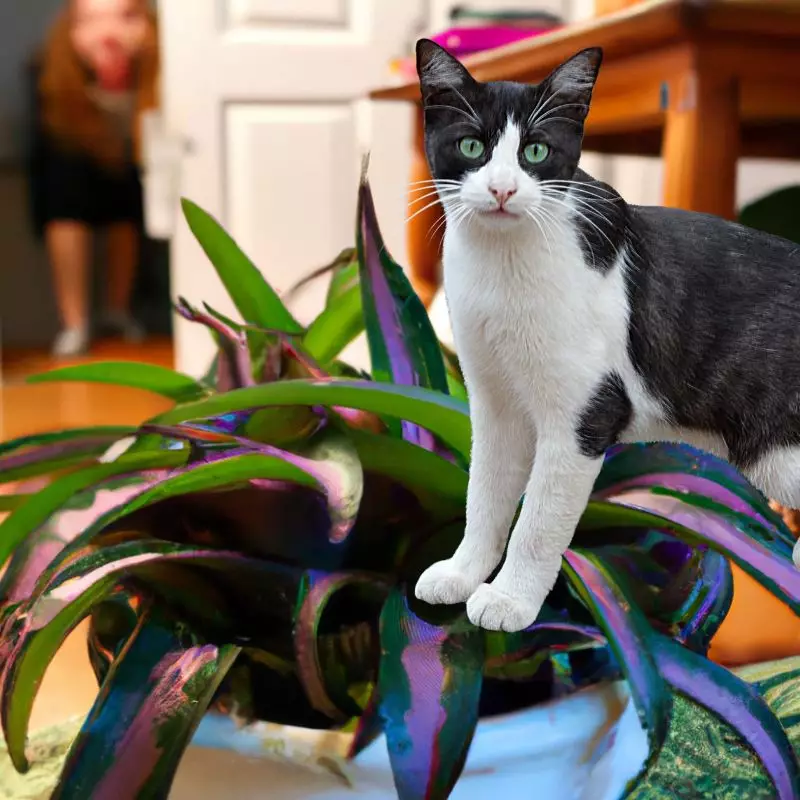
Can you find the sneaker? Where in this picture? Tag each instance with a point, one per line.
(71, 342)
(121, 323)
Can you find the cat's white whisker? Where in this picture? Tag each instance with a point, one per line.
(579, 213)
(419, 211)
(542, 117)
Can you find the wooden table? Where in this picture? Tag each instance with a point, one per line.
(701, 82)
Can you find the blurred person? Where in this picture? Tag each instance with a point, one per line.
(97, 73)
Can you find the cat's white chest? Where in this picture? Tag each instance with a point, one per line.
(535, 322)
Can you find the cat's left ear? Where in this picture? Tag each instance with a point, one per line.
(575, 78)
(439, 71)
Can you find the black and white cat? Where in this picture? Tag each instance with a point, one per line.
(581, 321)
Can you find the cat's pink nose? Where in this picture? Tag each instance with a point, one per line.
(502, 195)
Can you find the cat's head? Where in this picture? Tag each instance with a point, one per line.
(500, 153)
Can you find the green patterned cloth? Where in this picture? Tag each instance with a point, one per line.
(703, 758)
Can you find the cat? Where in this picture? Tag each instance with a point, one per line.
(582, 322)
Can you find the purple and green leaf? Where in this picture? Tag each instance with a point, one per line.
(442, 415)
(315, 593)
(627, 631)
(403, 348)
(429, 687)
(36, 629)
(31, 456)
(136, 375)
(685, 469)
(152, 699)
(31, 559)
(32, 514)
(736, 703)
(645, 509)
(233, 366)
(329, 464)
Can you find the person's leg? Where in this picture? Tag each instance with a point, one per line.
(69, 245)
(122, 258)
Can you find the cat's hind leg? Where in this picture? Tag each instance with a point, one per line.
(777, 475)
(503, 443)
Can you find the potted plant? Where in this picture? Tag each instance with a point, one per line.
(250, 553)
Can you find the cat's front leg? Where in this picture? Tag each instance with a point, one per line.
(503, 444)
(555, 498)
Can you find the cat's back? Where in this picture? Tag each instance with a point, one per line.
(706, 250)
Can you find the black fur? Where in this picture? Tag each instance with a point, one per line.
(715, 307)
(605, 417)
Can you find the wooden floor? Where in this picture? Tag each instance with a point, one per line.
(69, 686)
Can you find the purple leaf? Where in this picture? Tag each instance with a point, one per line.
(150, 704)
(31, 456)
(331, 460)
(627, 631)
(315, 593)
(686, 469)
(34, 631)
(645, 508)
(403, 347)
(40, 549)
(429, 686)
(736, 703)
(233, 367)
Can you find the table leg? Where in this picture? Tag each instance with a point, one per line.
(701, 144)
(423, 232)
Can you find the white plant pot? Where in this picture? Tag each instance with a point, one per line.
(583, 747)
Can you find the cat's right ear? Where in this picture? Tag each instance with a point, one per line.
(438, 71)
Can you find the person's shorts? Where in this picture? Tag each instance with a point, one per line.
(75, 187)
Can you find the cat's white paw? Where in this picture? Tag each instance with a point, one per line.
(494, 610)
(444, 583)
(796, 553)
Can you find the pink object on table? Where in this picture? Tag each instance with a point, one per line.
(463, 41)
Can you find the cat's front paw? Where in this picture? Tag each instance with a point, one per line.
(444, 583)
(495, 610)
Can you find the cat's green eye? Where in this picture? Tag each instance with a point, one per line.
(471, 148)
(536, 153)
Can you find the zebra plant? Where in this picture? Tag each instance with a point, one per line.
(255, 547)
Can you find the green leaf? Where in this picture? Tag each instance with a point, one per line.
(151, 702)
(40, 506)
(429, 687)
(150, 377)
(340, 323)
(628, 633)
(442, 415)
(11, 502)
(257, 301)
(440, 485)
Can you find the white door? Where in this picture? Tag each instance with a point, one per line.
(270, 93)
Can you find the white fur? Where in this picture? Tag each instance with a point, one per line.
(536, 330)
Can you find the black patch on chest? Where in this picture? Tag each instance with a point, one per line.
(606, 415)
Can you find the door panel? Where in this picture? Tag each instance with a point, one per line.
(270, 93)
